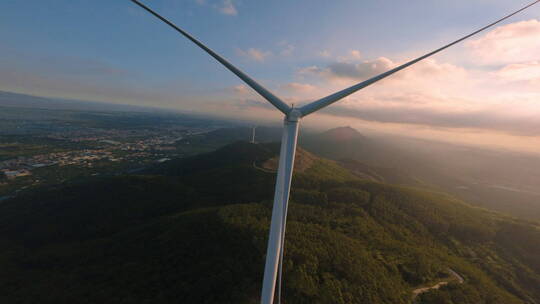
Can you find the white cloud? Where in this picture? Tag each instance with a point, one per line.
(515, 42)
(528, 71)
(228, 8)
(299, 87)
(436, 113)
(356, 54)
(441, 95)
(310, 70)
(324, 53)
(287, 49)
(255, 54)
(350, 70)
(241, 89)
(349, 57)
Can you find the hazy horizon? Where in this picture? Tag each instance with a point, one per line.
(483, 92)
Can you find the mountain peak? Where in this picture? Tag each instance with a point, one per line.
(342, 133)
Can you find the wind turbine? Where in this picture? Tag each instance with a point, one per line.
(274, 254)
(253, 134)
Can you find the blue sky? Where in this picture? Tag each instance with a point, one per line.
(113, 51)
(119, 35)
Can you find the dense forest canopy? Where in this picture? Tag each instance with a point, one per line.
(194, 230)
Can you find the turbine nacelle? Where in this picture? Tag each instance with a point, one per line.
(294, 115)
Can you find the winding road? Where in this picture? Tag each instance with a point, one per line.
(454, 274)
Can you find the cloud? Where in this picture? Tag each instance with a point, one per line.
(88, 67)
(324, 53)
(515, 42)
(497, 91)
(286, 48)
(360, 70)
(443, 95)
(429, 111)
(366, 69)
(241, 89)
(81, 78)
(228, 8)
(49, 84)
(259, 55)
(528, 72)
(352, 55)
(255, 54)
(299, 87)
(67, 65)
(356, 54)
(310, 70)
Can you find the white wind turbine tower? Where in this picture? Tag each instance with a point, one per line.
(253, 129)
(292, 117)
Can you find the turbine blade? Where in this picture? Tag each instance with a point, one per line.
(274, 100)
(330, 99)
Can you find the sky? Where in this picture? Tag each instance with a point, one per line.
(485, 91)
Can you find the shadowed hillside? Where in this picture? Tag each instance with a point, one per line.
(498, 180)
(194, 230)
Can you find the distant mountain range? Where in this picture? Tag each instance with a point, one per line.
(22, 114)
(194, 230)
(9, 99)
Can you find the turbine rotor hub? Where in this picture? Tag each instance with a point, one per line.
(294, 115)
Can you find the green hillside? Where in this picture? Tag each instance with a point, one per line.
(194, 230)
(498, 180)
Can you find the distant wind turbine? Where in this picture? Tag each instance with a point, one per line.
(253, 134)
(274, 254)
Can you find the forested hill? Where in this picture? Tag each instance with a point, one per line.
(499, 180)
(194, 230)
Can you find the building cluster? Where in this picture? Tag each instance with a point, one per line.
(113, 151)
(135, 146)
(116, 136)
(22, 166)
